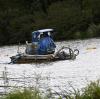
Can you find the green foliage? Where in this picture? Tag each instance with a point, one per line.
(26, 94)
(93, 30)
(72, 19)
(91, 91)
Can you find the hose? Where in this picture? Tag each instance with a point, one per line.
(71, 55)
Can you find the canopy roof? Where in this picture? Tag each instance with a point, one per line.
(36, 34)
(45, 30)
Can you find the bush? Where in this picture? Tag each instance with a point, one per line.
(91, 91)
(25, 94)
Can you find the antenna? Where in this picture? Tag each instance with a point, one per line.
(18, 48)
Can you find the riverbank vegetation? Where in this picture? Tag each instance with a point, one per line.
(91, 91)
(73, 19)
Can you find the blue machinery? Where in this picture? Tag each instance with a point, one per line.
(42, 48)
(42, 43)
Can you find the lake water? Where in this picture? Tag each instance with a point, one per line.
(57, 75)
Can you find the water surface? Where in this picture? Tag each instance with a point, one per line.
(55, 75)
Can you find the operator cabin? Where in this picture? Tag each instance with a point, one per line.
(42, 43)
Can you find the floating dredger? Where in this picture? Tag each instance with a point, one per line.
(42, 48)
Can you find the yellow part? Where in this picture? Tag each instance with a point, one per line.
(92, 48)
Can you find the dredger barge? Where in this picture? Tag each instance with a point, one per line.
(42, 48)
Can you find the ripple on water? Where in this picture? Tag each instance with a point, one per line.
(56, 75)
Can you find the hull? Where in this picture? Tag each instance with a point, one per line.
(59, 55)
(25, 58)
